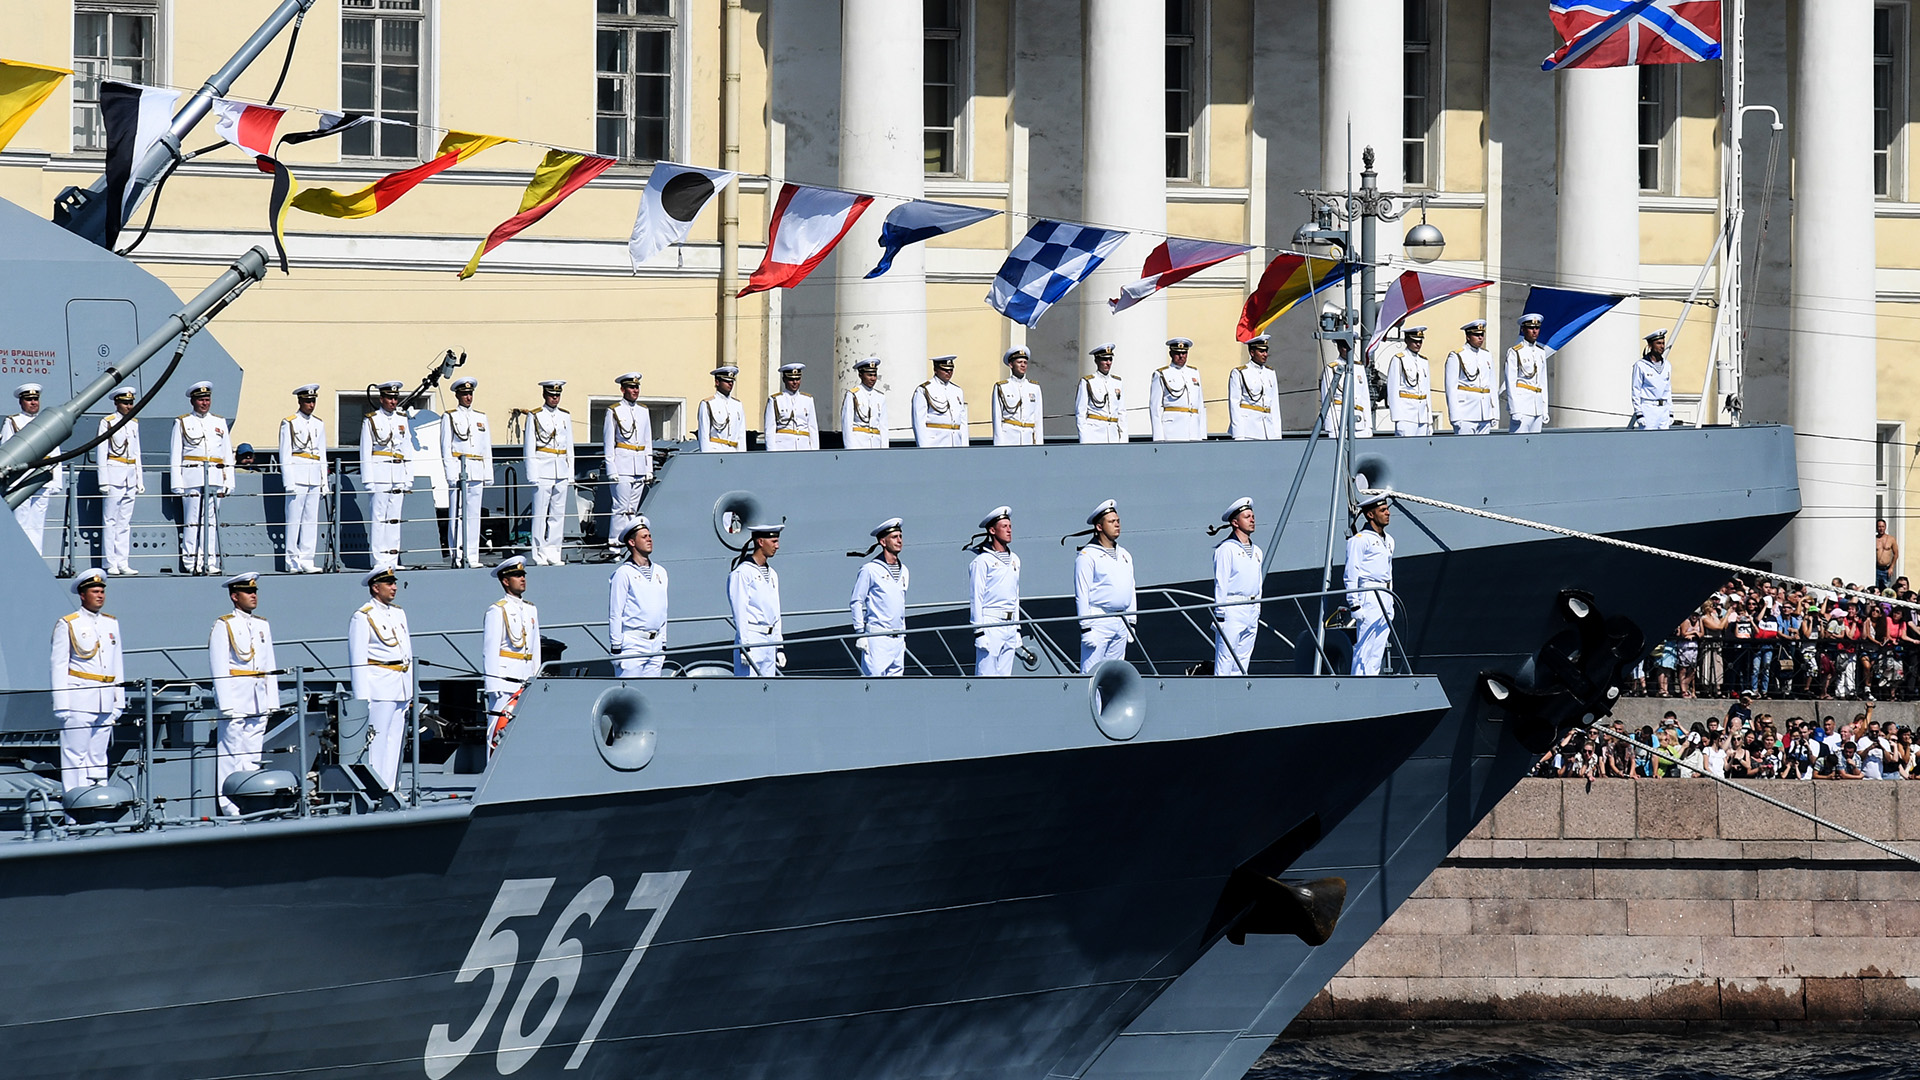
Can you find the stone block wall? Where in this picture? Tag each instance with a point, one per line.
(1654, 903)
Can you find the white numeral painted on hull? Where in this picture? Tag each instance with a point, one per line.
(496, 951)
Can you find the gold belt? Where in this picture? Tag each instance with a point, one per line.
(865, 429)
(90, 676)
(625, 446)
(208, 460)
(394, 454)
(1472, 389)
(1108, 419)
(516, 655)
(242, 672)
(475, 457)
(122, 460)
(791, 431)
(945, 427)
(1413, 397)
(723, 442)
(400, 665)
(550, 450)
(1017, 423)
(1253, 408)
(304, 454)
(1527, 386)
(1177, 408)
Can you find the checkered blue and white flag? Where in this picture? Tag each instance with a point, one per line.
(1046, 265)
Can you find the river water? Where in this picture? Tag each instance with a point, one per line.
(1545, 1052)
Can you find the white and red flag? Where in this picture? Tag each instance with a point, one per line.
(807, 223)
(1414, 290)
(1622, 33)
(249, 127)
(1174, 261)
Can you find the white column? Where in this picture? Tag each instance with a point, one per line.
(882, 133)
(1598, 247)
(1364, 82)
(1831, 361)
(1125, 186)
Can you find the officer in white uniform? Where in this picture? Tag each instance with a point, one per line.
(627, 437)
(1410, 385)
(380, 652)
(1016, 404)
(879, 603)
(1527, 379)
(993, 579)
(939, 408)
(1175, 404)
(1331, 383)
(466, 457)
(1238, 574)
(303, 472)
(245, 683)
(549, 458)
(88, 668)
(509, 644)
(201, 456)
(753, 593)
(1652, 389)
(121, 479)
(386, 441)
(1098, 410)
(1253, 395)
(1370, 563)
(637, 607)
(722, 423)
(863, 409)
(1472, 387)
(790, 421)
(1103, 586)
(32, 514)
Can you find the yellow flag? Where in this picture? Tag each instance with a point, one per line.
(23, 87)
(561, 173)
(457, 147)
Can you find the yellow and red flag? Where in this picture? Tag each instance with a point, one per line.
(1289, 279)
(457, 147)
(560, 174)
(23, 88)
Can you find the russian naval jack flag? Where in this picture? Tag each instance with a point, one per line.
(1622, 33)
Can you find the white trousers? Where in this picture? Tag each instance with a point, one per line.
(993, 651)
(1653, 418)
(757, 661)
(383, 531)
(1413, 427)
(1233, 635)
(388, 720)
(32, 516)
(1526, 425)
(626, 505)
(1373, 622)
(637, 666)
(303, 526)
(200, 532)
(1473, 427)
(116, 527)
(549, 524)
(83, 747)
(1105, 640)
(463, 521)
(240, 739)
(496, 705)
(883, 657)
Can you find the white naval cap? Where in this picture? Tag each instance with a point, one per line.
(1259, 341)
(994, 515)
(508, 566)
(393, 386)
(767, 528)
(866, 362)
(1531, 319)
(1105, 348)
(793, 368)
(1374, 498)
(1413, 331)
(639, 522)
(94, 576)
(1244, 502)
(945, 361)
(124, 393)
(629, 377)
(1656, 335)
(885, 527)
(552, 385)
(312, 389)
(724, 371)
(383, 572)
(1179, 344)
(465, 382)
(1094, 518)
(201, 387)
(1473, 324)
(26, 388)
(247, 580)
(1016, 352)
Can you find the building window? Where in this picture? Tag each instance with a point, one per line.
(1417, 112)
(1889, 481)
(633, 98)
(1657, 92)
(1183, 81)
(945, 30)
(380, 75)
(110, 41)
(1889, 92)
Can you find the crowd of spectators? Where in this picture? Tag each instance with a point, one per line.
(1741, 747)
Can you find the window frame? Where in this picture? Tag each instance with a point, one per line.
(676, 125)
(668, 415)
(150, 9)
(963, 62)
(1435, 96)
(1893, 155)
(426, 36)
(1889, 484)
(1200, 74)
(1667, 79)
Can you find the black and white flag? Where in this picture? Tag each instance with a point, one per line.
(135, 118)
(675, 195)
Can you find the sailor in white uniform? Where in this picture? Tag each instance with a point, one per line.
(626, 435)
(1370, 564)
(790, 422)
(939, 408)
(201, 460)
(1331, 383)
(380, 653)
(1652, 389)
(863, 409)
(1527, 379)
(549, 457)
(466, 456)
(246, 686)
(637, 607)
(1016, 404)
(1472, 387)
(1253, 395)
(303, 472)
(1103, 590)
(722, 423)
(1175, 404)
(88, 669)
(753, 593)
(1099, 413)
(1238, 574)
(1410, 385)
(121, 479)
(879, 603)
(993, 579)
(386, 441)
(32, 514)
(509, 645)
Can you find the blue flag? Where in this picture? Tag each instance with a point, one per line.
(1046, 265)
(911, 223)
(1565, 312)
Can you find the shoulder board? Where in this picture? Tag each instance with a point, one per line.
(1002, 382)
(365, 609)
(808, 396)
(288, 420)
(183, 416)
(1086, 378)
(115, 618)
(926, 384)
(225, 617)
(500, 603)
(1242, 367)
(70, 618)
(773, 397)
(1115, 378)
(1168, 367)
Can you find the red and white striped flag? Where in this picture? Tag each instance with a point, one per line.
(807, 223)
(249, 127)
(1414, 290)
(1174, 261)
